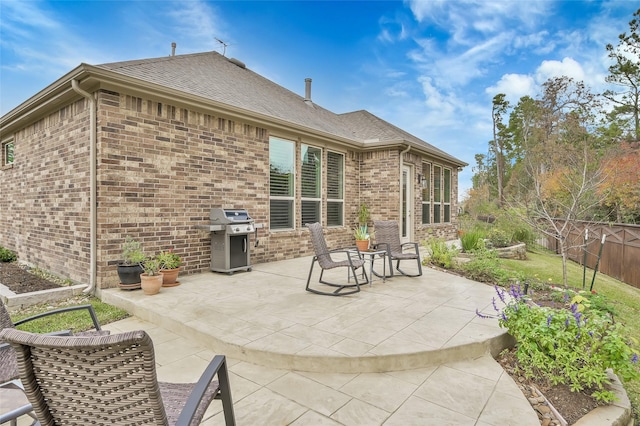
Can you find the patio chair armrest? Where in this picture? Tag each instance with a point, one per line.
(383, 246)
(217, 366)
(89, 308)
(414, 245)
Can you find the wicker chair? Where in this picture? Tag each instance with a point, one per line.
(352, 260)
(388, 238)
(8, 365)
(110, 380)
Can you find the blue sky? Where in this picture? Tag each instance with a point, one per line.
(429, 67)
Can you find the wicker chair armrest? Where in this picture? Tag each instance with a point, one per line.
(217, 366)
(89, 309)
(381, 246)
(414, 245)
(348, 251)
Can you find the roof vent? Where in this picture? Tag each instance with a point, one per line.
(237, 62)
(307, 90)
(173, 49)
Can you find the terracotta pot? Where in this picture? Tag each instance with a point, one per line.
(170, 277)
(151, 284)
(363, 245)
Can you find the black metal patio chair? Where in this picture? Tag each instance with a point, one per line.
(8, 365)
(351, 260)
(111, 380)
(387, 234)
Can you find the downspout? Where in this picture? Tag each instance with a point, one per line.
(402, 153)
(93, 190)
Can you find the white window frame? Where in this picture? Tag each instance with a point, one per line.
(279, 198)
(7, 146)
(437, 194)
(425, 193)
(336, 201)
(446, 196)
(315, 200)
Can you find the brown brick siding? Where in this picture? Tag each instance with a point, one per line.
(160, 170)
(45, 194)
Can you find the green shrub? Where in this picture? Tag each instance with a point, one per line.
(485, 267)
(524, 235)
(499, 238)
(470, 240)
(7, 255)
(440, 253)
(570, 346)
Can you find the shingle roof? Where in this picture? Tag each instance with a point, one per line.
(214, 77)
(369, 127)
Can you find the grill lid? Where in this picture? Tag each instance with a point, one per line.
(225, 216)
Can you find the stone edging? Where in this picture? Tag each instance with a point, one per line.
(617, 413)
(14, 301)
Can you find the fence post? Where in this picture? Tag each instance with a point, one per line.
(584, 257)
(595, 271)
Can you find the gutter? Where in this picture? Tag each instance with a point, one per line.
(402, 153)
(93, 191)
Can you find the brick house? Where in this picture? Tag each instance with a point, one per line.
(146, 148)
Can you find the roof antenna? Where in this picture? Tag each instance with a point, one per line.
(224, 46)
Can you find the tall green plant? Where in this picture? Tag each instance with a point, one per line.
(440, 253)
(569, 346)
(470, 240)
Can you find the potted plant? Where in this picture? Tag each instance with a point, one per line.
(170, 267)
(129, 268)
(151, 279)
(362, 238)
(361, 233)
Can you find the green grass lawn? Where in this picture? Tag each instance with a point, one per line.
(547, 267)
(75, 321)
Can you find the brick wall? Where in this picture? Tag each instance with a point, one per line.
(163, 168)
(45, 194)
(160, 170)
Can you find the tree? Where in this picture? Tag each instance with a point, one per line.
(625, 73)
(500, 141)
(560, 164)
(621, 187)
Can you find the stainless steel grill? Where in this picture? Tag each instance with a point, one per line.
(230, 248)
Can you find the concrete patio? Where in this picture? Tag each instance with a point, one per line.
(408, 351)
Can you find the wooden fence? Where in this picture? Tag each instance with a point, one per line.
(620, 253)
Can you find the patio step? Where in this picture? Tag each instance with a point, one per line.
(265, 317)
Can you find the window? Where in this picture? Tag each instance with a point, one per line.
(7, 153)
(437, 194)
(281, 183)
(426, 193)
(335, 189)
(311, 181)
(446, 199)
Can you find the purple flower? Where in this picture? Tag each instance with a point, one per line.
(591, 334)
(577, 316)
(566, 297)
(566, 322)
(634, 358)
(481, 315)
(574, 308)
(500, 294)
(549, 320)
(493, 302)
(504, 317)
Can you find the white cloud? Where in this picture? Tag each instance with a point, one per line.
(514, 86)
(567, 67)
